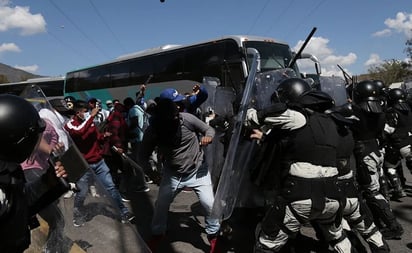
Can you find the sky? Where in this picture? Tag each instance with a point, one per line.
(52, 37)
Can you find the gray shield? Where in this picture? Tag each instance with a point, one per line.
(335, 87)
(235, 188)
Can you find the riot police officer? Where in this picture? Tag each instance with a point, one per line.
(398, 130)
(303, 149)
(20, 131)
(367, 107)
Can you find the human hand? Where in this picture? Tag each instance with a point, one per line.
(256, 134)
(59, 170)
(94, 111)
(205, 140)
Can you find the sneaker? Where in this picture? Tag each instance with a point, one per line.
(187, 189)
(78, 221)
(127, 218)
(68, 194)
(144, 189)
(124, 197)
(93, 191)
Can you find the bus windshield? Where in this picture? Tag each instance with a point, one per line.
(272, 55)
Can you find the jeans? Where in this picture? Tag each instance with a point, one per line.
(172, 183)
(102, 172)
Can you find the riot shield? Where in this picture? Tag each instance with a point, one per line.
(235, 188)
(101, 229)
(336, 87)
(228, 187)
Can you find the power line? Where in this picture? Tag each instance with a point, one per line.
(258, 16)
(306, 17)
(80, 30)
(283, 12)
(107, 25)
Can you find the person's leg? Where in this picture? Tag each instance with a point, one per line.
(165, 196)
(79, 197)
(105, 178)
(362, 223)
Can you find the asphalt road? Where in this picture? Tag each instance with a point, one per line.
(104, 233)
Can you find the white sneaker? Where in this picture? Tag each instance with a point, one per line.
(93, 191)
(68, 194)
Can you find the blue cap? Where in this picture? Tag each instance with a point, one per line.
(172, 94)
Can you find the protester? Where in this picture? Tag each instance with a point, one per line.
(135, 121)
(89, 140)
(34, 168)
(21, 129)
(175, 134)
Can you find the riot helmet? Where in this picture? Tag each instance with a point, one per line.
(20, 128)
(316, 100)
(69, 101)
(289, 90)
(366, 95)
(381, 86)
(397, 99)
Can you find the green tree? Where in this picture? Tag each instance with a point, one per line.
(408, 49)
(390, 71)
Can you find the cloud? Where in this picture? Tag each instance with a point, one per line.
(402, 23)
(373, 60)
(319, 47)
(383, 33)
(9, 47)
(20, 18)
(4, 2)
(31, 68)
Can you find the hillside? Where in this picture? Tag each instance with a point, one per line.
(9, 74)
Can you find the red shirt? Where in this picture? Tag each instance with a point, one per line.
(87, 138)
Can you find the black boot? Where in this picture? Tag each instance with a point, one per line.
(398, 191)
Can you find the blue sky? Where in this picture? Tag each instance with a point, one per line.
(52, 37)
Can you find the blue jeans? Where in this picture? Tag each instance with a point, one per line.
(172, 183)
(102, 172)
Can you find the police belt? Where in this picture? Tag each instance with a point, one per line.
(347, 186)
(315, 189)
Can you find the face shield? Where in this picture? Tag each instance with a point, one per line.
(372, 105)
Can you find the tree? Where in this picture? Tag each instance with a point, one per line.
(408, 49)
(390, 71)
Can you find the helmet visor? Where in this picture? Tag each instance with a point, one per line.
(371, 106)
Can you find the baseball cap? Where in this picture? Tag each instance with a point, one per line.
(172, 94)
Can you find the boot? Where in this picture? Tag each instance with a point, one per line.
(154, 242)
(392, 232)
(384, 188)
(398, 191)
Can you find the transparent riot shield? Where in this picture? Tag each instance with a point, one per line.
(335, 86)
(231, 176)
(235, 188)
(92, 226)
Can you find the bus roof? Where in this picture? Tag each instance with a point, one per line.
(37, 80)
(238, 38)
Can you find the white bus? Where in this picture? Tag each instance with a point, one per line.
(51, 86)
(225, 58)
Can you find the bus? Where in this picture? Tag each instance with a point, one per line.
(51, 86)
(180, 67)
